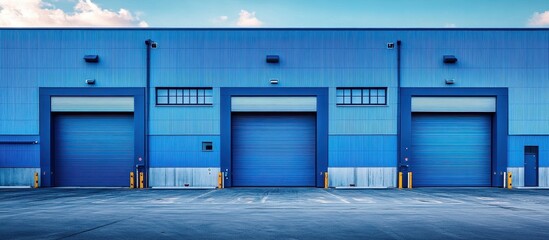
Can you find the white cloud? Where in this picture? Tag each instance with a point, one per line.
(539, 19)
(450, 25)
(37, 13)
(221, 20)
(248, 19)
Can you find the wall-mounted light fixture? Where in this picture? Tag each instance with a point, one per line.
(449, 59)
(91, 58)
(273, 59)
(274, 81)
(449, 81)
(90, 81)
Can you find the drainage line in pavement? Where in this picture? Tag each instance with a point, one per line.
(91, 229)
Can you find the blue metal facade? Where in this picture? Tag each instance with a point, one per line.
(516, 60)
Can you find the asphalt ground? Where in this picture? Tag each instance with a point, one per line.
(274, 213)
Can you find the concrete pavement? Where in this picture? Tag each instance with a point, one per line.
(274, 213)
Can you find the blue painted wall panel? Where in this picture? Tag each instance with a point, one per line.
(259, 77)
(183, 151)
(185, 120)
(20, 155)
(478, 38)
(269, 38)
(310, 58)
(362, 151)
(516, 149)
(515, 59)
(469, 58)
(518, 59)
(529, 110)
(252, 57)
(362, 120)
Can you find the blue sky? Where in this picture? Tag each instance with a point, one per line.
(281, 13)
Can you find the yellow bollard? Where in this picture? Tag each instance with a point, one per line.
(409, 179)
(132, 180)
(35, 180)
(220, 180)
(326, 182)
(141, 185)
(399, 180)
(509, 180)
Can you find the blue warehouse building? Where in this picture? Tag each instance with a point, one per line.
(274, 107)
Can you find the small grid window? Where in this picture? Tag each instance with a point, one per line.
(361, 96)
(184, 96)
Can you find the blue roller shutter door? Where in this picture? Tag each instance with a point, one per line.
(273, 149)
(451, 149)
(93, 150)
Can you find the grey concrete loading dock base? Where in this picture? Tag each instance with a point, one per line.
(274, 213)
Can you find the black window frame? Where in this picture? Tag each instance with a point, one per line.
(200, 99)
(362, 96)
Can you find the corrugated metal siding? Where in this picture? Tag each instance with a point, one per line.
(19, 155)
(238, 57)
(543, 177)
(515, 59)
(180, 177)
(516, 149)
(265, 39)
(362, 176)
(518, 176)
(259, 77)
(529, 110)
(30, 59)
(330, 58)
(17, 176)
(183, 151)
(18, 108)
(362, 151)
(277, 149)
(93, 149)
(252, 57)
(451, 149)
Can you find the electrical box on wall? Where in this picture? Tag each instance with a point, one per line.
(207, 146)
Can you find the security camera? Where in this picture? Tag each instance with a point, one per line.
(151, 43)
